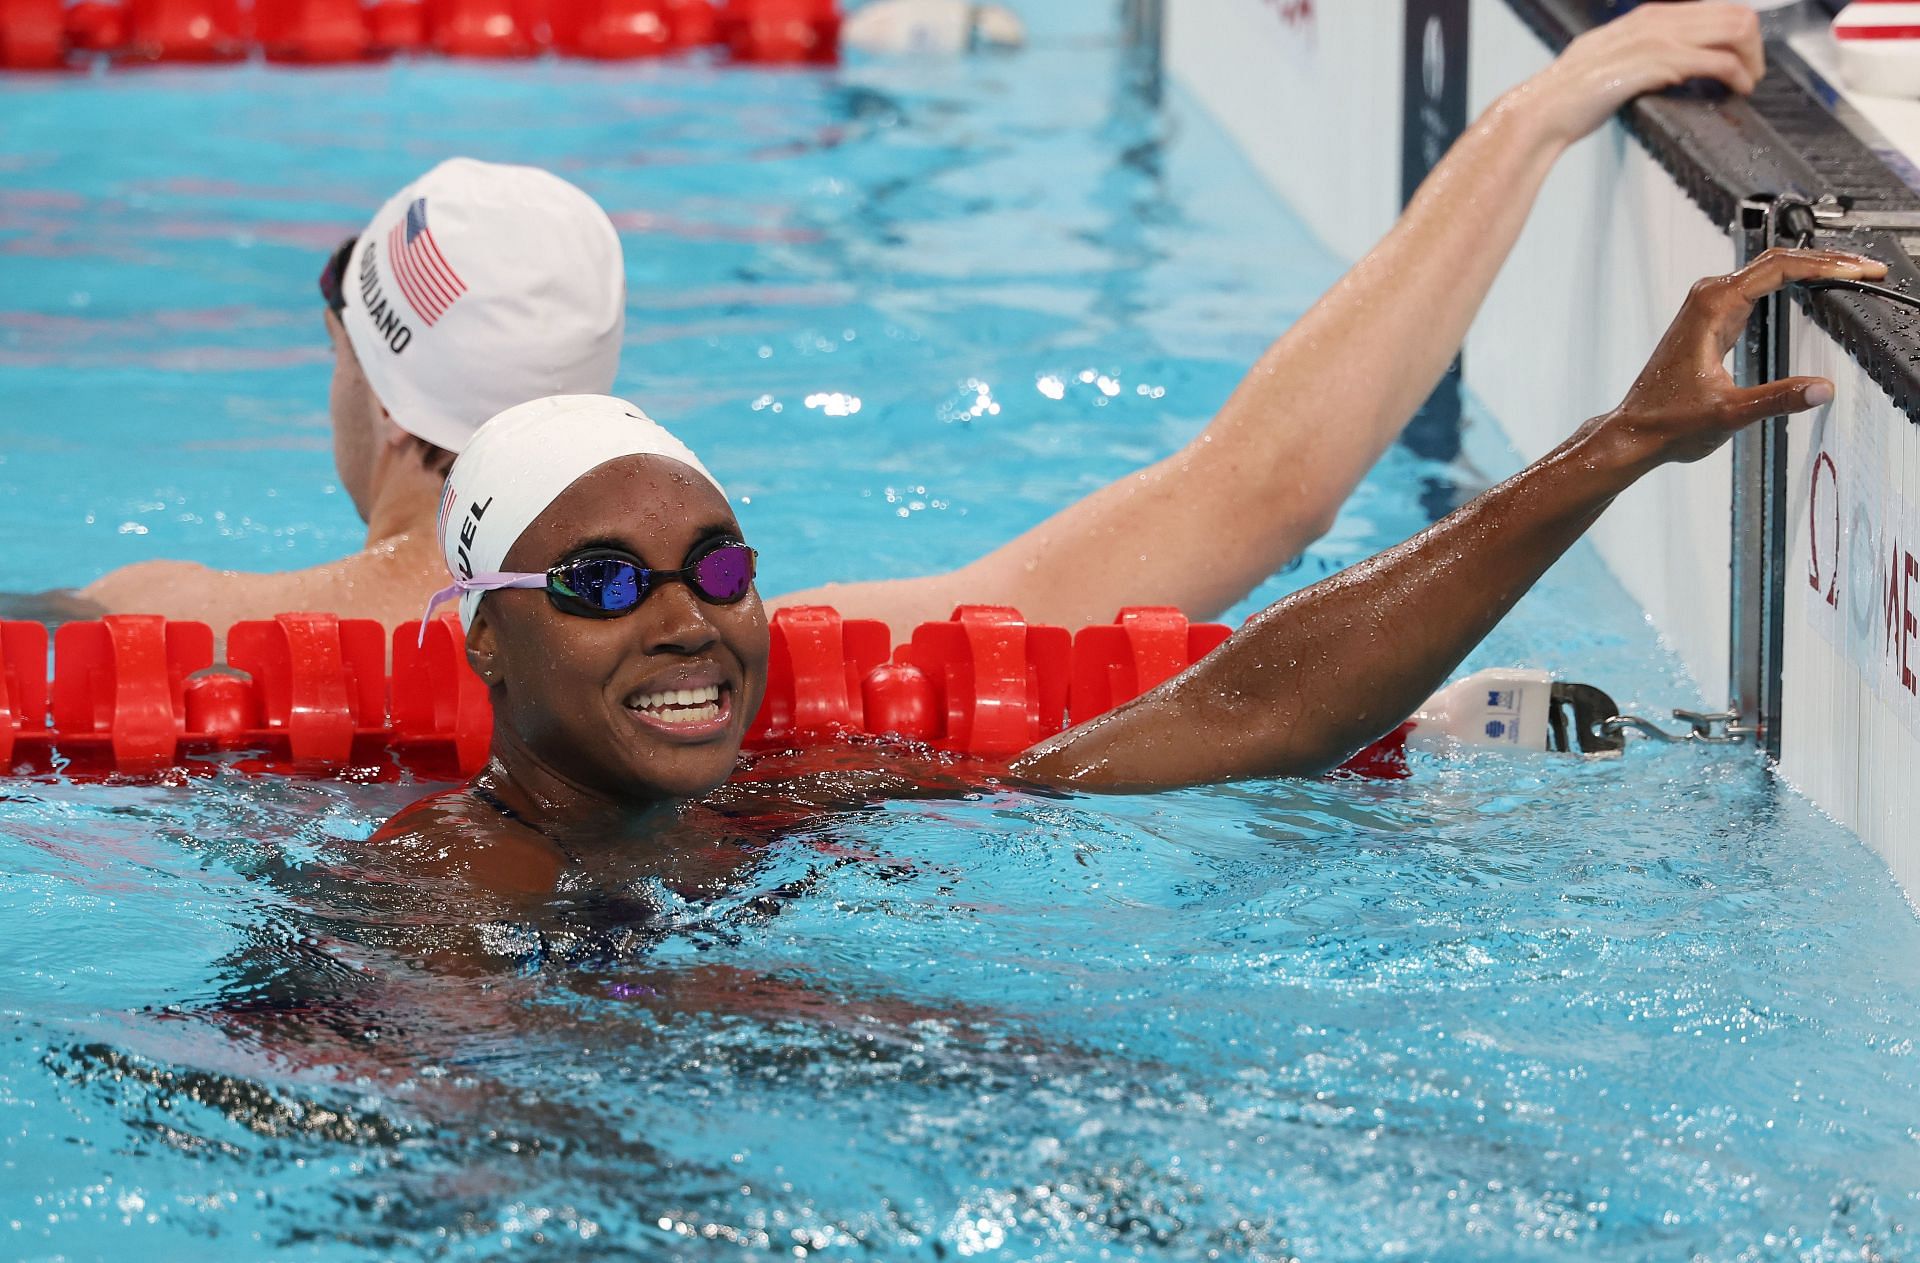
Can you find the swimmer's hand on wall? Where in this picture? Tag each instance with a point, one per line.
(1320, 674)
(1655, 46)
(1684, 404)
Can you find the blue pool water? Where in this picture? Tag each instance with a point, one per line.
(1650, 1008)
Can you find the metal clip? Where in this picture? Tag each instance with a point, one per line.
(1700, 727)
(1828, 210)
(1798, 221)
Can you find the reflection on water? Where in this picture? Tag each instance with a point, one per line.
(1611, 1006)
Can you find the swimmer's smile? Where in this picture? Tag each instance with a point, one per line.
(688, 706)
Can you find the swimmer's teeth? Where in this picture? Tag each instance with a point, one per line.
(681, 706)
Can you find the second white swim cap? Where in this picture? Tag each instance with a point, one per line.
(480, 286)
(519, 463)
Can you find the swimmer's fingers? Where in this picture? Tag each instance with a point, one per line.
(1776, 399)
(1746, 42)
(1684, 404)
(1705, 40)
(1779, 267)
(1728, 300)
(1655, 46)
(1735, 27)
(1721, 64)
(1752, 49)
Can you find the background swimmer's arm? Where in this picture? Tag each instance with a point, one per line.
(387, 583)
(62, 605)
(1318, 675)
(187, 590)
(175, 589)
(1203, 527)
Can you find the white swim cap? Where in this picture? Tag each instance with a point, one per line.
(480, 286)
(518, 464)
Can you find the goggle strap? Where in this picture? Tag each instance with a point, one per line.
(536, 579)
(479, 583)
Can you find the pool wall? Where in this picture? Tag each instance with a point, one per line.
(1852, 609)
(1627, 222)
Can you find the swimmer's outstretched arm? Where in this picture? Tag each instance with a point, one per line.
(62, 605)
(387, 581)
(1203, 527)
(1318, 675)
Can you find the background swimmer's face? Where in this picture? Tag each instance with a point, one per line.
(583, 696)
(356, 413)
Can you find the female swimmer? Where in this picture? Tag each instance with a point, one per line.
(607, 592)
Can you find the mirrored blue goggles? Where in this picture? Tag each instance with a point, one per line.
(605, 583)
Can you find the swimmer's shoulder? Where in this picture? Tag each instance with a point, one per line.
(455, 833)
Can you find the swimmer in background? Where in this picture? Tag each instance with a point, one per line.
(621, 694)
(480, 287)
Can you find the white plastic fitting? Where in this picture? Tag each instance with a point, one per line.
(1878, 44)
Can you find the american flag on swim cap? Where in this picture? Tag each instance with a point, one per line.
(423, 274)
(446, 506)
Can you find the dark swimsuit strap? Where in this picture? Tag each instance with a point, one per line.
(492, 800)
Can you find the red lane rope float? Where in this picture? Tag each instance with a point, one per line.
(52, 34)
(616, 30)
(33, 34)
(318, 31)
(135, 694)
(780, 30)
(186, 30)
